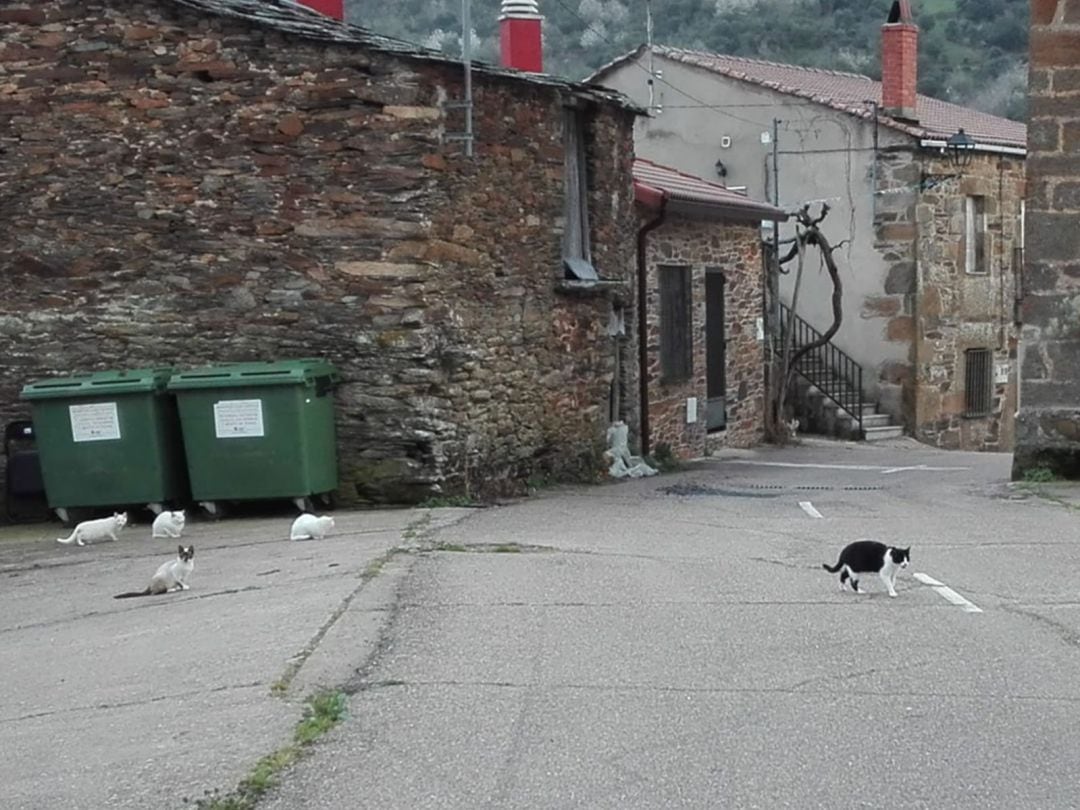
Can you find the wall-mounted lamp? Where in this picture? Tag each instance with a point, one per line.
(959, 149)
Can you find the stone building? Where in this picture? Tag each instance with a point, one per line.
(1048, 425)
(703, 284)
(930, 250)
(197, 181)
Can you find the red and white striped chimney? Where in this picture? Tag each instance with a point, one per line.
(520, 45)
(331, 8)
(899, 62)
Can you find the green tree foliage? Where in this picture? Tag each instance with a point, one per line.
(970, 51)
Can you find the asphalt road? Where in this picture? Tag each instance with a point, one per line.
(668, 642)
(673, 642)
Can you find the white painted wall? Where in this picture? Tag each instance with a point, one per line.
(823, 153)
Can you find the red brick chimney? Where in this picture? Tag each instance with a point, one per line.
(899, 62)
(331, 8)
(519, 36)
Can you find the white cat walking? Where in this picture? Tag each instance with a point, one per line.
(97, 529)
(168, 524)
(170, 576)
(309, 527)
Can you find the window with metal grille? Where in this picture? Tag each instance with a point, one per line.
(676, 335)
(977, 382)
(975, 235)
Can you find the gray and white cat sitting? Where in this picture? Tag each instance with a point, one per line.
(870, 556)
(168, 524)
(309, 527)
(98, 529)
(170, 576)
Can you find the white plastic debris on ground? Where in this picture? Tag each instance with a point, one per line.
(624, 465)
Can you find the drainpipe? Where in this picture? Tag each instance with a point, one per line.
(643, 319)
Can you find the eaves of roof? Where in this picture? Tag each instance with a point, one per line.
(298, 20)
(684, 192)
(850, 93)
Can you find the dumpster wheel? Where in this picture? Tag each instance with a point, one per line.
(213, 508)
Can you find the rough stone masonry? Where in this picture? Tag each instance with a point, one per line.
(1048, 425)
(182, 188)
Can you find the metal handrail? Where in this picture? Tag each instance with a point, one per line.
(828, 368)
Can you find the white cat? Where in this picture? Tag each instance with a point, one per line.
(170, 576)
(97, 529)
(168, 524)
(309, 527)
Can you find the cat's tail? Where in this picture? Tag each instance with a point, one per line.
(68, 540)
(130, 594)
(833, 569)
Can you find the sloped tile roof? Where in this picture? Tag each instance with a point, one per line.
(848, 92)
(651, 178)
(291, 17)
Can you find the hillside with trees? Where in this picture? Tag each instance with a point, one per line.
(971, 52)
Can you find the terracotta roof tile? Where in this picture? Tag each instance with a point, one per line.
(682, 187)
(848, 92)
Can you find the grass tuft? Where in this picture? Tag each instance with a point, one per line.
(322, 712)
(1039, 475)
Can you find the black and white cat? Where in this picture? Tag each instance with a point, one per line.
(870, 557)
(170, 576)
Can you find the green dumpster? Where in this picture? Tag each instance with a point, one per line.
(109, 438)
(255, 431)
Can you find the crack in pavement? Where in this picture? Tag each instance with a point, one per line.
(128, 703)
(841, 677)
(63, 562)
(1066, 633)
(842, 601)
(294, 664)
(719, 690)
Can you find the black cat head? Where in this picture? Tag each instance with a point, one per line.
(186, 552)
(901, 556)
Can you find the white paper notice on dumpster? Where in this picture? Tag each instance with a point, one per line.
(238, 418)
(94, 422)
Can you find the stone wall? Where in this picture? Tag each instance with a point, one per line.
(935, 307)
(1048, 425)
(956, 310)
(895, 233)
(734, 249)
(182, 189)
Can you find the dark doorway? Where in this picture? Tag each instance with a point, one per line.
(715, 351)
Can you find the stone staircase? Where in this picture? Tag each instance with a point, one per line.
(827, 392)
(818, 413)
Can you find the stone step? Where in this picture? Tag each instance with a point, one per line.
(875, 434)
(876, 420)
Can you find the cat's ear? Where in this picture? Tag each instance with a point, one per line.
(180, 550)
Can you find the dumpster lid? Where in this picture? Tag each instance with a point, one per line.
(99, 383)
(236, 375)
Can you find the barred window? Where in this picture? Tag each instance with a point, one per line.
(977, 382)
(676, 335)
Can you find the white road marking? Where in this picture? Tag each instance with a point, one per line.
(809, 509)
(926, 579)
(892, 470)
(866, 467)
(947, 593)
